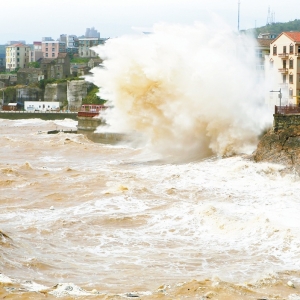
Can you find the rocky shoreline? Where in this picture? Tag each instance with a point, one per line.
(280, 147)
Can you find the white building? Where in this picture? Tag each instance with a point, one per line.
(285, 62)
(17, 56)
(41, 106)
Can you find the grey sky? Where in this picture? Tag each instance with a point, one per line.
(30, 20)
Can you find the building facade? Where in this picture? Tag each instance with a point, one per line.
(56, 68)
(85, 44)
(51, 48)
(285, 62)
(36, 53)
(17, 56)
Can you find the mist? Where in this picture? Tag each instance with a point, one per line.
(191, 91)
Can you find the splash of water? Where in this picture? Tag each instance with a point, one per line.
(192, 90)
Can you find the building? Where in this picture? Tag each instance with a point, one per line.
(57, 68)
(36, 53)
(41, 106)
(86, 43)
(51, 48)
(285, 62)
(29, 75)
(92, 33)
(94, 62)
(17, 56)
(262, 51)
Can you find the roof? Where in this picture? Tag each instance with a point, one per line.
(18, 45)
(29, 70)
(62, 55)
(264, 42)
(47, 60)
(4, 76)
(293, 35)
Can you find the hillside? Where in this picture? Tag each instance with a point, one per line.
(277, 28)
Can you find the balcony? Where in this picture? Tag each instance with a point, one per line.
(283, 85)
(283, 55)
(283, 70)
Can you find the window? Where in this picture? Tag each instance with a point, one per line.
(291, 78)
(298, 49)
(47, 44)
(274, 50)
(291, 93)
(291, 64)
(53, 49)
(283, 78)
(291, 49)
(46, 54)
(18, 54)
(46, 49)
(284, 49)
(53, 54)
(284, 64)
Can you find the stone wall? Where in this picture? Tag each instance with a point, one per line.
(56, 92)
(88, 123)
(285, 121)
(76, 91)
(28, 94)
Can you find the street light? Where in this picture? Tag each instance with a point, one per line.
(2, 97)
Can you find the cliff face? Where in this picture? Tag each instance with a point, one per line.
(282, 147)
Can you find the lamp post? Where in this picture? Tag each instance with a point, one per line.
(279, 96)
(2, 97)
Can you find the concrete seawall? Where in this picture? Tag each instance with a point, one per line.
(18, 115)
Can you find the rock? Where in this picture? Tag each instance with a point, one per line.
(281, 147)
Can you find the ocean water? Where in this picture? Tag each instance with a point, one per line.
(79, 218)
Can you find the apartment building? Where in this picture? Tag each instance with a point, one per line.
(285, 61)
(17, 56)
(51, 48)
(86, 43)
(36, 53)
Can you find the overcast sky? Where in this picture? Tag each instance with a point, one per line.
(30, 20)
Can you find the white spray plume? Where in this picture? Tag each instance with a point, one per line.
(192, 90)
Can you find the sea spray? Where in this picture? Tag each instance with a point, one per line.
(193, 91)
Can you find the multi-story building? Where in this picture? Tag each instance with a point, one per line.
(36, 53)
(285, 61)
(17, 56)
(51, 48)
(86, 43)
(57, 68)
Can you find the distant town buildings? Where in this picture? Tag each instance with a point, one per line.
(17, 56)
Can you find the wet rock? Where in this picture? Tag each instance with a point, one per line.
(282, 147)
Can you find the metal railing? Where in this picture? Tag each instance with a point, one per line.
(287, 110)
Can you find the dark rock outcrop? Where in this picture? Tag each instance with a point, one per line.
(282, 147)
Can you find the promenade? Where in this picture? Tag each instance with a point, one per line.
(17, 115)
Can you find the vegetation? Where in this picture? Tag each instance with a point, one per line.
(42, 83)
(79, 60)
(34, 64)
(92, 97)
(277, 28)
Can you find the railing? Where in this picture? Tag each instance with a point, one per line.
(283, 70)
(283, 55)
(90, 110)
(287, 110)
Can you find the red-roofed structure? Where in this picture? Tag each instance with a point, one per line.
(285, 59)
